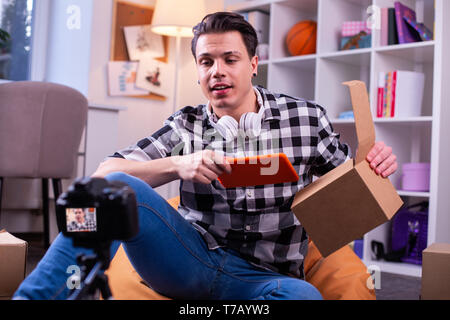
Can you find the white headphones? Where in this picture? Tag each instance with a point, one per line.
(228, 127)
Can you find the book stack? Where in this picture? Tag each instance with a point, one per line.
(400, 94)
(399, 25)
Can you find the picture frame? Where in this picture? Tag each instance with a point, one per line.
(131, 14)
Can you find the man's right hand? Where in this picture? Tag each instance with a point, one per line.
(202, 166)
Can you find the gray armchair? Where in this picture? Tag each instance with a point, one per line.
(41, 125)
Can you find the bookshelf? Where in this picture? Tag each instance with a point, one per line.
(318, 77)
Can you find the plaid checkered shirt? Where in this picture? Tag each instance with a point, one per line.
(88, 226)
(255, 221)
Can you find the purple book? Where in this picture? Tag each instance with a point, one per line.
(405, 35)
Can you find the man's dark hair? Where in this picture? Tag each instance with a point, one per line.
(221, 22)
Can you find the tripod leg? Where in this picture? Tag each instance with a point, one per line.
(104, 287)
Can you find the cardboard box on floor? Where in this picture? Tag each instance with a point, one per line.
(13, 258)
(352, 199)
(436, 272)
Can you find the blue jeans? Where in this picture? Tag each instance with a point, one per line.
(172, 257)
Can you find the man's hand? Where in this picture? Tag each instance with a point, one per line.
(203, 166)
(382, 160)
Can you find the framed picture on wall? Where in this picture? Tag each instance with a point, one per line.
(154, 76)
(142, 43)
(126, 14)
(122, 79)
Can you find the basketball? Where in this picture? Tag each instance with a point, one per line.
(301, 38)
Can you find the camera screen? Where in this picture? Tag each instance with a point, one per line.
(81, 219)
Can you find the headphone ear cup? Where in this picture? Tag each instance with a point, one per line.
(250, 122)
(227, 127)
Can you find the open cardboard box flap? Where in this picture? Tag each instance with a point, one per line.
(352, 199)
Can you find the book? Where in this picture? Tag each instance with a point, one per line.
(122, 79)
(408, 92)
(393, 88)
(384, 27)
(405, 35)
(352, 28)
(385, 92)
(380, 95)
(389, 94)
(423, 32)
(356, 42)
(392, 27)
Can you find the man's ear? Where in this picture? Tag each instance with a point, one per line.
(254, 64)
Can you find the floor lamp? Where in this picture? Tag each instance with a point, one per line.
(176, 18)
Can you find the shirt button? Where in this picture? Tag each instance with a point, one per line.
(250, 193)
(247, 228)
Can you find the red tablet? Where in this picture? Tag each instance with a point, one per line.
(259, 170)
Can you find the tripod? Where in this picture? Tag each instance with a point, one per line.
(92, 280)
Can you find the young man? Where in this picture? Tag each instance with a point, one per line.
(80, 223)
(236, 243)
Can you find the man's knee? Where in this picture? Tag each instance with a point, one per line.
(145, 194)
(295, 289)
(140, 187)
(119, 176)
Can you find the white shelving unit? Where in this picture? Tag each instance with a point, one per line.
(319, 77)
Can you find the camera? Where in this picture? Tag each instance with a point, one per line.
(95, 211)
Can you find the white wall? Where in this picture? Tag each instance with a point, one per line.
(69, 43)
(143, 117)
(78, 58)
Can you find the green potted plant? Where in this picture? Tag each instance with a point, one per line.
(4, 38)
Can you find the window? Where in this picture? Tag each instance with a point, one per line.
(15, 53)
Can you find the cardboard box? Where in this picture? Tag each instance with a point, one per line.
(13, 259)
(352, 199)
(436, 272)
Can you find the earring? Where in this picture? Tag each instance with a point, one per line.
(198, 81)
(254, 75)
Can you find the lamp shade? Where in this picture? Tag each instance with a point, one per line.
(177, 17)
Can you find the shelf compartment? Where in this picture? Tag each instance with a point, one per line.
(284, 15)
(332, 72)
(409, 57)
(424, 12)
(334, 13)
(382, 234)
(295, 78)
(410, 143)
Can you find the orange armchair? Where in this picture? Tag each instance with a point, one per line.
(340, 276)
